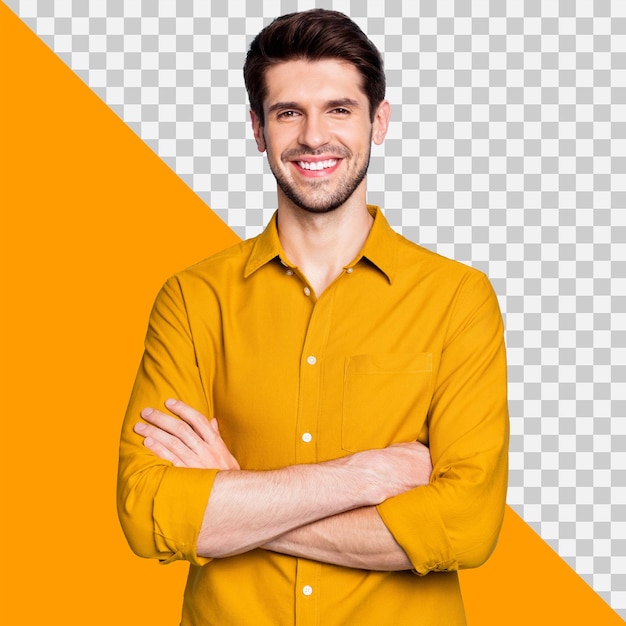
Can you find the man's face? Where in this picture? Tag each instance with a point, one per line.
(318, 132)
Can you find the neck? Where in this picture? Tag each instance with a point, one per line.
(322, 244)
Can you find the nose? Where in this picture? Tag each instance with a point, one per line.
(314, 131)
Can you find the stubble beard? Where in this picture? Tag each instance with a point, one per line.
(318, 200)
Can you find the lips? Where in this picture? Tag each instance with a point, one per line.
(317, 168)
(317, 165)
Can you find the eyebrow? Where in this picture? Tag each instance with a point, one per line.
(331, 104)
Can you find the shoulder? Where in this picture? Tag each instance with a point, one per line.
(418, 262)
(217, 268)
(207, 281)
(449, 284)
(232, 258)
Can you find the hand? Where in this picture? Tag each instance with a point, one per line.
(191, 441)
(395, 469)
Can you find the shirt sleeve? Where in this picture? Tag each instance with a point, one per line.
(161, 507)
(454, 521)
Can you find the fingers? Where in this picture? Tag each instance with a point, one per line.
(191, 441)
(157, 438)
(195, 419)
(192, 429)
(170, 431)
(152, 441)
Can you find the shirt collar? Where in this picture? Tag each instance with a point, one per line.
(380, 248)
(381, 245)
(265, 248)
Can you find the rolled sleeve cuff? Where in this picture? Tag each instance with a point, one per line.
(416, 524)
(179, 508)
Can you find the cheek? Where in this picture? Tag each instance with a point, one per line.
(356, 138)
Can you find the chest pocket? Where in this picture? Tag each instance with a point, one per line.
(386, 399)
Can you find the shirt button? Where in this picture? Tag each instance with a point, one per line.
(307, 437)
(289, 272)
(307, 291)
(311, 360)
(307, 590)
(349, 270)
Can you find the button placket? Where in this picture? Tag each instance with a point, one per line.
(306, 592)
(307, 439)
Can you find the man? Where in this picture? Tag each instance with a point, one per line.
(353, 453)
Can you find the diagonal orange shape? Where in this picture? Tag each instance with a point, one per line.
(526, 582)
(92, 223)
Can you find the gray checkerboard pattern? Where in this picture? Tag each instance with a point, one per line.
(507, 151)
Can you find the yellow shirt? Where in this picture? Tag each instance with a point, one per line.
(403, 345)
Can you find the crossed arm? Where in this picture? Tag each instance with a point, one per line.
(325, 511)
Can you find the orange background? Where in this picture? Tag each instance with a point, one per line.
(92, 224)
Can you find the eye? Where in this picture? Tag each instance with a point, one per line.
(341, 111)
(285, 115)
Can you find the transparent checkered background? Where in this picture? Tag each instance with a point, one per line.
(507, 151)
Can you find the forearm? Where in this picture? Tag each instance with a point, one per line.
(248, 509)
(356, 538)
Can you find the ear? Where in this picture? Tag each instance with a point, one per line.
(257, 129)
(381, 122)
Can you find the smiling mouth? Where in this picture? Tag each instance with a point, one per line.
(316, 166)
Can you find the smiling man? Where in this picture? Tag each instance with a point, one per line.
(318, 135)
(333, 446)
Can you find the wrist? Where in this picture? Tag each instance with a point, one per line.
(360, 477)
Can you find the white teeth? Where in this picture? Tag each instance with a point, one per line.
(319, 165)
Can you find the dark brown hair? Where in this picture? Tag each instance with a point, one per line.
(311, 36)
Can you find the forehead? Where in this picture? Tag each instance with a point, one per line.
(313, 81)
